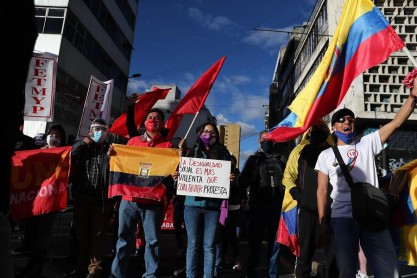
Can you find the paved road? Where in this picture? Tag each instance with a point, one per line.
(55, 264)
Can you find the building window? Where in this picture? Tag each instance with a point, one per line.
(50, 20)
(78, 35)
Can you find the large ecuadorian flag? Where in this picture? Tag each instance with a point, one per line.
(139, 171)
(404, 230)
(363, 39)
(288, 228)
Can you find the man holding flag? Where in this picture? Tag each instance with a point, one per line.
(149, 210)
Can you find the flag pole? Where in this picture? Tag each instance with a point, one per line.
(410, 56)
(195, 117)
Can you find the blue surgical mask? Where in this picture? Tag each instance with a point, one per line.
(346, 138)
(99, 136)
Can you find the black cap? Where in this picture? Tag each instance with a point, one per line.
(341, 113)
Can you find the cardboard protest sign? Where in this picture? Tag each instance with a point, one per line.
(204, 178)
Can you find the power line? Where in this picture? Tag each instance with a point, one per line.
(288, 32)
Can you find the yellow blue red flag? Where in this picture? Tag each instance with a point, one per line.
(288, 228)
(404, 229)
(363, 39)
(139, 171)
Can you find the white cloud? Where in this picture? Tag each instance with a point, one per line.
(246, 129)
(230, 84)
(215, 23)
(268, 40)
(137, 86)
(251, 104)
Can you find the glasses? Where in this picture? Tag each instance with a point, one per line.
(341, 120)
(212, 132)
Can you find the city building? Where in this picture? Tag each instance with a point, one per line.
(374, 96)
(90, 38)
(230, 137)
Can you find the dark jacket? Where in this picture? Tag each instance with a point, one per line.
(263, 173)
(81, 154)
(305, 193)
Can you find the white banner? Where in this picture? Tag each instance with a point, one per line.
(97, 104)
(40, 88)
(204, 178)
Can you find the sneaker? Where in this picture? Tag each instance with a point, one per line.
(361, 275)
(180, 272)
(237, 266)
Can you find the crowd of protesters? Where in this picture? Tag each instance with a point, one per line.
(212, 225)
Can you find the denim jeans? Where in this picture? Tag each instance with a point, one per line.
(377, 246)
(129, 215)
(201, 225)
(274, 260)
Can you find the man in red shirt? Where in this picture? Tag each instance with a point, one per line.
(149, 211)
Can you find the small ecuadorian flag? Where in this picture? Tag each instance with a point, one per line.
(138, 171)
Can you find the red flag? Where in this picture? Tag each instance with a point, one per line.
(144, 103)
(39, 181)
(194, 98)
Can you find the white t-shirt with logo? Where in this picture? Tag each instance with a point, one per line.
(359, 158)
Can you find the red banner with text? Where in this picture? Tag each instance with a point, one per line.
(39, 181)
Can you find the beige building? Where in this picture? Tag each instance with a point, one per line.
(230, 137)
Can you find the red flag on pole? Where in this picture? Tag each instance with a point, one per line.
(195, 97)
(143, 104)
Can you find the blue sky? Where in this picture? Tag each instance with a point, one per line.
(176, 41)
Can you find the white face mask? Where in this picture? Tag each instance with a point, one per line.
(53, 142)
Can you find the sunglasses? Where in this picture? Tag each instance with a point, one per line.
(346, 118)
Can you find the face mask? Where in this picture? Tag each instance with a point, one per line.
(318, 136)
(206, 139)
(52, 141)
(151, 125)
(99, 136)
(346, 138)
(266, 146)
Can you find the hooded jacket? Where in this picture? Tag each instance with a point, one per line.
(300, 178)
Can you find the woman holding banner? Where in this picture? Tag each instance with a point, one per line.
(201, 214)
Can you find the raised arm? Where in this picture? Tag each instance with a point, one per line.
(402, 115)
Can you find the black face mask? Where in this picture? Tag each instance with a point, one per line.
(318, 136)
(266, 146)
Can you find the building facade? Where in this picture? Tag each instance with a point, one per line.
(89, 38)
(230, 137)
(376, 95)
